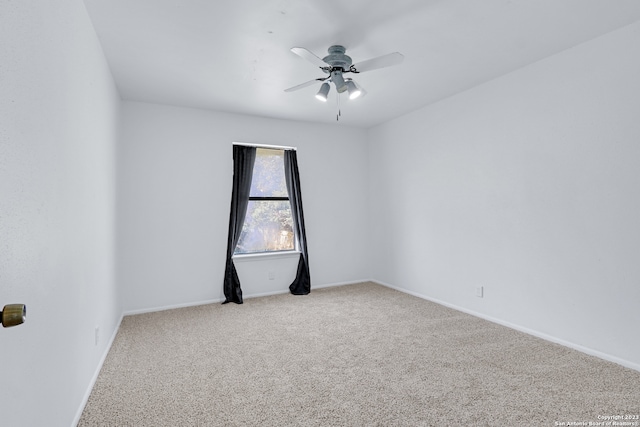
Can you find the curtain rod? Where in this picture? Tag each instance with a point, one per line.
(272, 147)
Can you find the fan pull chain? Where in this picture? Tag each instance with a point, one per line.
(338, 103)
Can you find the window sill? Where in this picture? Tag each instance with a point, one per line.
(265, 255)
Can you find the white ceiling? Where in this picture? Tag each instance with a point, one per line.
(233, 55)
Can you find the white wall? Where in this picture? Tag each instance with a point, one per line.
(59, 114)
(529, 186)
(174, 192)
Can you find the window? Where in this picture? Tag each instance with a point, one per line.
(268, 225)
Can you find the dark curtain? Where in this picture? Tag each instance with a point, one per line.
(243, 160)
(302, 283)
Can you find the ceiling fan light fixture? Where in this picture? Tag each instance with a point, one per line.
(354, 90)
(338, 80)
(323, 92)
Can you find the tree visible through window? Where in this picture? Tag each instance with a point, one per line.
(268, 225)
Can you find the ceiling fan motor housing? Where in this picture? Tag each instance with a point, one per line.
(337, 57)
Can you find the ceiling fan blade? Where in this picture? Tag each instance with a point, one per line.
(383, 61)
(309, 56)
(303, 85)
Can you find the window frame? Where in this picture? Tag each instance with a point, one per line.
(272, 253)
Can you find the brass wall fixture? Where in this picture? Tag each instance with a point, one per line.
(13, 315)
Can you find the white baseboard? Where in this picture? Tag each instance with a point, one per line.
(286, 291)
(265, 294)
(245, 296)
(546, 337)
(331, 285)
(85, 399)
(171, 307)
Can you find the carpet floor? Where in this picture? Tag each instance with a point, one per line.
(356, 355)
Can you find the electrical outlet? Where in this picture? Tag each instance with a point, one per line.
(97, 335)
(480, 291)
(272, 275)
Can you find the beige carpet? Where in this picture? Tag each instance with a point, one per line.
(357, 355)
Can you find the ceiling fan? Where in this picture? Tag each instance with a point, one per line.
(336, 64)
